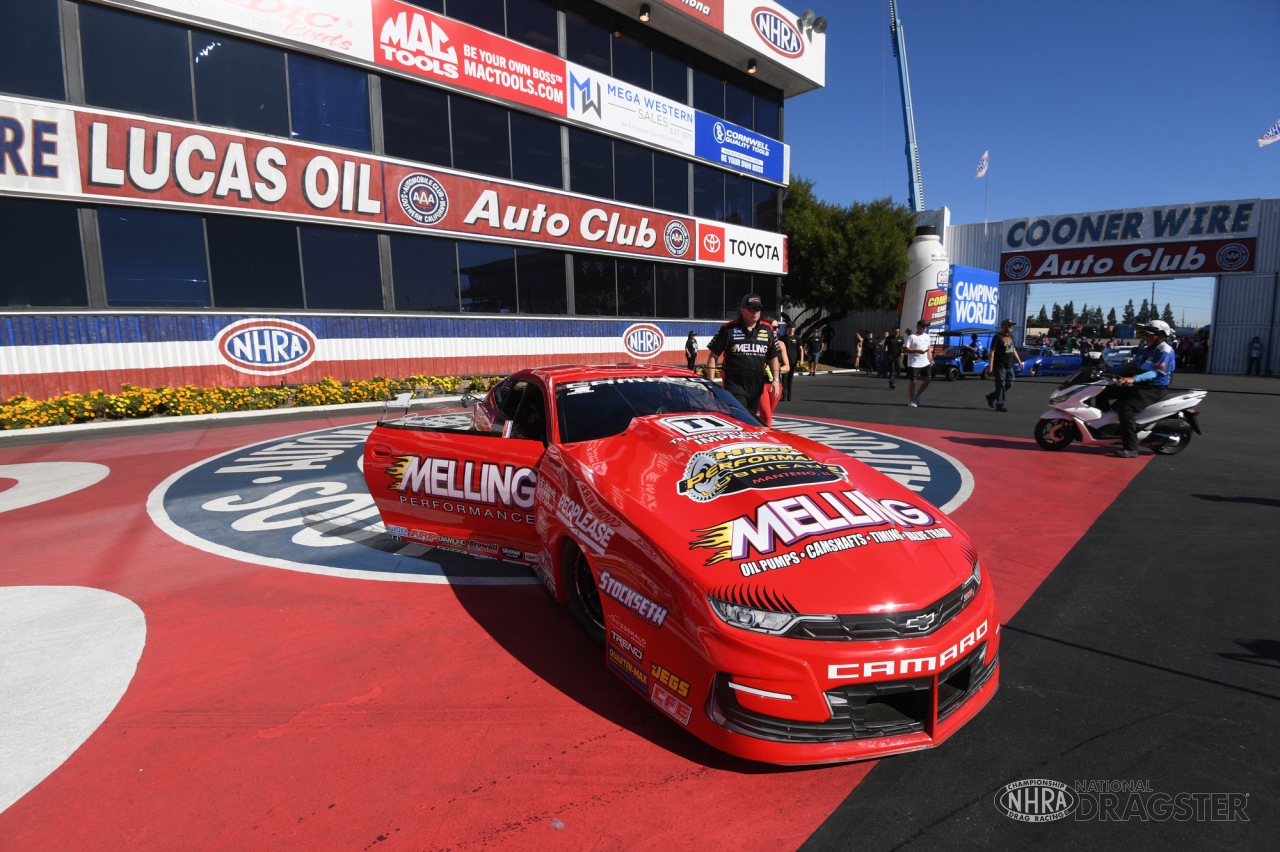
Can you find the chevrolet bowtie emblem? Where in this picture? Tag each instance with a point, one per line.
(920, 622)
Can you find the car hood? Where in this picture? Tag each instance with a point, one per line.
(758, 514)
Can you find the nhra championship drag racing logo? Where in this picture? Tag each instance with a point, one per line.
(300, 503)
(643, 341)
(735, 467)
(266, 347)
(423, 199)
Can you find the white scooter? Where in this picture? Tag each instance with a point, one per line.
(1074, 415)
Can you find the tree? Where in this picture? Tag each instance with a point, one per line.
(1129, 316)
(1168, 316)
(1055, 318)
(1042, 319)
(1111, 316)
(1144, 312)
(842, 259)
(1069, 313)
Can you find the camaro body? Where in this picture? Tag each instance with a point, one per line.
(782, 601)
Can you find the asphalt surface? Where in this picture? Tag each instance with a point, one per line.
(1151, 653)
(1146, 664)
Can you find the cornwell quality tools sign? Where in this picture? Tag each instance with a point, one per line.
(1193, 239)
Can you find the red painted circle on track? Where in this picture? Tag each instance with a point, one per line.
(272, 706)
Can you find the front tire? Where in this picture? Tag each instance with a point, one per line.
(584, 596)
(953, 373)
(1055, 434)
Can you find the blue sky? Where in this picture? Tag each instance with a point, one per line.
(1085, 106)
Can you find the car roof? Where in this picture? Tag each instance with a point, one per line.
(560, 373)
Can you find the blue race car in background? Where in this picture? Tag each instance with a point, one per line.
(1043, 361)
(950, 364)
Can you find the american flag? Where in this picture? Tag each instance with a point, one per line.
(1272, 135)
(986, 159)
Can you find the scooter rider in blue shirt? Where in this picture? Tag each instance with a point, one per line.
(1150, 371)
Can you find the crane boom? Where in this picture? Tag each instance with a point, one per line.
(915, 182)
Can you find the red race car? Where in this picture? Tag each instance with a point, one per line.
(782, 601)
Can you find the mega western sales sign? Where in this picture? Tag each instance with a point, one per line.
(1194, 239)
(68, 152)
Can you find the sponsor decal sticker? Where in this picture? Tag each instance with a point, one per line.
(672, 706)
(710, 243)
(639, 605)
(676, 238)
(731, 468)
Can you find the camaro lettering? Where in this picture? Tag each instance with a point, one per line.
(908, 666)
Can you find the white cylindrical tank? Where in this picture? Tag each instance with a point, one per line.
(928, 287)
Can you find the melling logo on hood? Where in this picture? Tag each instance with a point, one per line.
(643, 341)
(777, 31)
(266, 347)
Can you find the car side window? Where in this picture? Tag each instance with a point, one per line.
(531, 418)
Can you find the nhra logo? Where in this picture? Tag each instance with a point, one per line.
(266, 347)
(676, 238)
(1233, 256)
(423, 199)
(779, 33)
(1017, 267)
(643, 341)
(1036, 800)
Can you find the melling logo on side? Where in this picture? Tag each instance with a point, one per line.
(643, 341)
(266, 347)
(779, 33)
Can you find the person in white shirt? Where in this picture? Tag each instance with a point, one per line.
(917, 348)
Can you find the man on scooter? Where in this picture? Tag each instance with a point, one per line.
(1149, 373)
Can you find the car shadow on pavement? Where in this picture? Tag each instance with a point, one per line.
(542, 635)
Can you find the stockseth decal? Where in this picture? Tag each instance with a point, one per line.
(640, 606)
(266, 347)
(737, 467)
(300, 503)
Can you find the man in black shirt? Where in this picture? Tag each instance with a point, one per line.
(747, 346)
(1005, 361)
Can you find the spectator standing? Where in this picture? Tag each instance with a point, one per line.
(1004, 361)
(857, 350)
(828, 340)
(894, 346)
(1255, 357)
(748, 345)
(813, 347)
(691, 350)
(919, 365)
(868, 351)
(791, 348)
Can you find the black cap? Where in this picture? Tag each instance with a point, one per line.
(920, 323)
(752, 301)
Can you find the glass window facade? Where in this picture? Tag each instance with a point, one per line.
(135, 63)
(153, 258)
(329, 103)
(31, 50)
(140, 63)
(43, 258)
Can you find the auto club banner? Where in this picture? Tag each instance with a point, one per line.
(1184, 240)
(69, 152)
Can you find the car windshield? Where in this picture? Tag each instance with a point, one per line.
(597, 408)
(1025, 352)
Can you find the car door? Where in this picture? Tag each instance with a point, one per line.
(469, 491)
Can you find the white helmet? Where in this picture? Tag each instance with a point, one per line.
(1159, 327)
